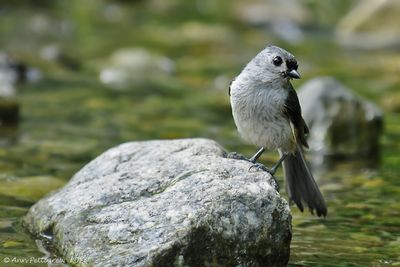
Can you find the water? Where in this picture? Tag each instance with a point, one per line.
(69, 117)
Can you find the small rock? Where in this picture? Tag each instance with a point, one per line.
(391, 102)
(13, 72)
(133, 65)
(371, 24)
(342, 125)
(44, 25)
(166, 203)
(285, 18)
(54, 53)
(10, 74)
(196, 32)
(113, 12)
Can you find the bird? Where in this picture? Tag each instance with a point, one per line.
(267, 113)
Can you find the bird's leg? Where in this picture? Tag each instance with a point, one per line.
(271, 170)
(254, 158)
(278, 163)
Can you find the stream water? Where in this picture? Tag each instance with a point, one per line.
(70, 116)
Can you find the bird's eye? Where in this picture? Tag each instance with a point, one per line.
(277, 61)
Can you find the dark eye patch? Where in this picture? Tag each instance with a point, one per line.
(292, 64)
(277, 61)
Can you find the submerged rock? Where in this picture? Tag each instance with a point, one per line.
(54, 53)
(166, 203)
(285, 18)
(133, 65)
(371, 24)
(342, 125)
(391, 101)
(10, 74)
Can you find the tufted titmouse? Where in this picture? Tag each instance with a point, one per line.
(267, 113)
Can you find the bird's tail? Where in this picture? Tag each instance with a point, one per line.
(300, 184)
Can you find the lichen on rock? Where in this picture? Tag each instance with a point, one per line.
(166, 203)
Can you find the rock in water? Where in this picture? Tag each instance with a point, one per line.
(130, 66)
(12, 72)
(371, 24)
(342, 125)
(9, 75)
(166, 203)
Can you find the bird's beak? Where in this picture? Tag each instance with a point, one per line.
(293, 74)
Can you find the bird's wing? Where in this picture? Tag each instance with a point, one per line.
(230, 84)
(292, 110)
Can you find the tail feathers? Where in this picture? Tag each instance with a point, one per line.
(300, 184)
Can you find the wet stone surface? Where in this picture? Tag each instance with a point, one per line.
(342, 124)
(164, 203)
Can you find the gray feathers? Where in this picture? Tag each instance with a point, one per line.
(301, 186)
(267, 113)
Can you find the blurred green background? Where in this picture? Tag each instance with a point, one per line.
(103, 72)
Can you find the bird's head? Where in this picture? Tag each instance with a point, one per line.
(274, 64)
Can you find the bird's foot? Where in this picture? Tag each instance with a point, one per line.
(235, 155)
(256, 166)
(259, 166)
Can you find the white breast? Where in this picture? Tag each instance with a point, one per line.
(257, 111)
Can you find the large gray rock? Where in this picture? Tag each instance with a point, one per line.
(342, 125)
(166, 203)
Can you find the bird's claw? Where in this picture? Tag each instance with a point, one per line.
(256, 166)
(259, 166)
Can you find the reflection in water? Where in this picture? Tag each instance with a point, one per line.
(8, 135)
